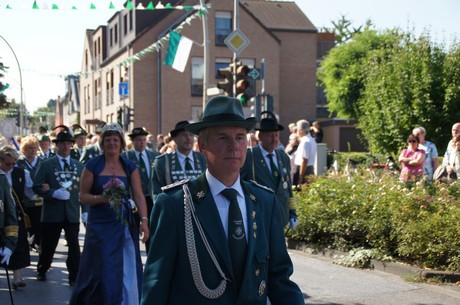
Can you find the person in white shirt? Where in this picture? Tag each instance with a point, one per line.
(305, 157)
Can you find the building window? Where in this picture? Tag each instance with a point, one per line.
(116, 33)
(125, 24)
(111, 37)
(130, 20)
(223, 27)
(197, 76)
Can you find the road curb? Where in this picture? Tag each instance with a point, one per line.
(396, 268)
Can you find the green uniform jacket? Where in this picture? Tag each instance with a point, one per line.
(168, 278)
(50, 172)
(133, 156)
(167, 170)
(89, 152)
(255, 168)
(8, 218)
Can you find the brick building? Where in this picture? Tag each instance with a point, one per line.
(278, 31)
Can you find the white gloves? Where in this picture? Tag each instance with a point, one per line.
(293, 222)
(132, 204)
(84, 217)
(5, 253)
(61, 194)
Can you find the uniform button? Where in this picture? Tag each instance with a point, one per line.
(257, 272)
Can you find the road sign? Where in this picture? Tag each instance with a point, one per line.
(236, 41)
(255, 74)
(123, 89)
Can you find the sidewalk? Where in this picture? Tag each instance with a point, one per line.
(396, 268)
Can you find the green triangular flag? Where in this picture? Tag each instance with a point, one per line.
(35, 6)
(111, 6)
(4, 87)
(187, 8)
(150, 6)
(74, 7)
(54, 7)
(168, 6)
(92, 7)
(8, 7)
(129, 5)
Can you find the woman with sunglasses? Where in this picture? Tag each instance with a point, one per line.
(412, 159)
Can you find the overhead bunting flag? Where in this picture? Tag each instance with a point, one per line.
(179, 48)
(119, 4)
(4, 88)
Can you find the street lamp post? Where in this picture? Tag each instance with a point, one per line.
(21, 107)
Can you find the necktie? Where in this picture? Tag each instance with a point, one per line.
(142, 166)
(66, 165)
(236, 236)
(188, 165)
(273, 167)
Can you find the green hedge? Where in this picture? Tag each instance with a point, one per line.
(420, 225)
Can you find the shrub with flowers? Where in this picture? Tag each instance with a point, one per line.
(417, 224)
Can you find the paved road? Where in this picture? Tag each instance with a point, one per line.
(321, 281)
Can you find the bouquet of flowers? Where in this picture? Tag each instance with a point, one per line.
(116, 192)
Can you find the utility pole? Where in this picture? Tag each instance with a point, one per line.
(205, 56)
(21, 106)
(236, 26)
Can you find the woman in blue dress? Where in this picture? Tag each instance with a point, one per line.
(110, 270)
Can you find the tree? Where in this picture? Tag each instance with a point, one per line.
(3, 87)
(392, 82)
(344, 32)
(342, 72)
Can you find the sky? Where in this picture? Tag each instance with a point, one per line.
(48, 44)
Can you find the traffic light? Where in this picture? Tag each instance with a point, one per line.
(227, 83)
(242, 84)
(129, 115)
(120, 116)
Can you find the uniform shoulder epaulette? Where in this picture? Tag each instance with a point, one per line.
(175, 184)
(262, 186)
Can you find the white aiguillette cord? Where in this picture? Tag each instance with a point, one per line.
(189, 210)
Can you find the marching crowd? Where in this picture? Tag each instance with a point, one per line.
(209, 201)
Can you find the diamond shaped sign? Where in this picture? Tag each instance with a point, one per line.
(236, 41)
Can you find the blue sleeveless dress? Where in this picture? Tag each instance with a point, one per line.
(110, 268)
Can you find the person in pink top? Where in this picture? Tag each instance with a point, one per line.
(412, 159)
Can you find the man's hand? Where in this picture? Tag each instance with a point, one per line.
(5, 253)
(61, 194)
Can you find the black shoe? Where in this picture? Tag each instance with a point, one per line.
(18, 283)
(41, 276)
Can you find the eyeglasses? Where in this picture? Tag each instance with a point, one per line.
(412, 141)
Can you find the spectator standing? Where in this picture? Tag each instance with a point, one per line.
(111, 267)
(239, 255)
(412, 159)
(57, 180)
(431, 152)
(305, 157)
(450, 146)
(316, 132)
(452, 161)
